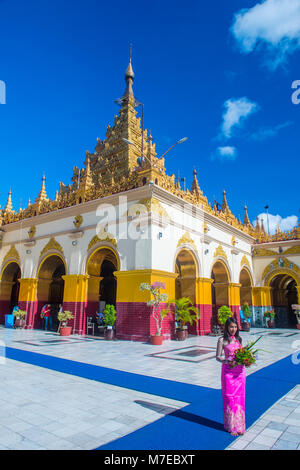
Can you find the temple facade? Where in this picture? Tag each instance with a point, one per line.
(122, 221)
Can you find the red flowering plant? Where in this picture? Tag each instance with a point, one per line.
(245, 356)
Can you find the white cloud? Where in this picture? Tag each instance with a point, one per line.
(285, 224)
(225, 154)
(236, 111)
(272, 26)
(267, 132)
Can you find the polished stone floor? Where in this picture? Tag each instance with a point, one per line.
(45, 409)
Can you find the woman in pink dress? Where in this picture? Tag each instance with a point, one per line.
(233, 379)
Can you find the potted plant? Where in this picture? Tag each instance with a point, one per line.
(245, 324)
(63, 318)
(19, 318)
(183, 316)
(157, 314)
(109, 319)
(269, 316)
(224, 313)
(296, 310)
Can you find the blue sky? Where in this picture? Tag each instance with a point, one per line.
(219, 72)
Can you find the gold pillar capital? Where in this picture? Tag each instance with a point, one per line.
(75, 288)
(28, 289)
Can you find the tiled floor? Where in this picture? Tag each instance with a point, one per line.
(44, 409)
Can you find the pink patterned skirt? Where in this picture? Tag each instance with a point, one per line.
(233, 392)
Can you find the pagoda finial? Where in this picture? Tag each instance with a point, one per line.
(257, 227)
(8, 207)
(224, 203)
(195, 186)
(262, 228)
(43, 195)
(129, 77)
(246, 218)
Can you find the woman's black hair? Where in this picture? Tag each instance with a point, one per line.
(227, 335)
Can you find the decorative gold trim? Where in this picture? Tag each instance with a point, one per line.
(244, 261)
(102, 236)
(78, 221)
(220, 252)
(52, 245)
(263, 252)
(293, 250)
(205, 227)
(286, 272)
(186, 239)
(12, 253)
(233, 240)
(278, 264)
(32, 232)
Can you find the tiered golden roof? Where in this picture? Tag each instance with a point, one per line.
(116, 166)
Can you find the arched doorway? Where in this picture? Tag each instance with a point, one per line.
(50, 287)
(102, 284)
(10, 287)
(246, 287)
(185, 283)
(219, 287)
(283, 295)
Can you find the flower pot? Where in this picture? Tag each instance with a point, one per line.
(156, 340)
(65, 330)
(245, 326)
(270, 324)
(109, 334)
(181, 334)
(20, 323)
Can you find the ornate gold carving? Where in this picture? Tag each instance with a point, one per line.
(78, 221)
(233, 241)
(205, 227)
(52, 245)
(263, 252)
(279, 263)
(102, 236)
(186, 239)
(32, 232)
(244, 261)
(12, 254)
(220, 252)
(286, 272)
(293, 250)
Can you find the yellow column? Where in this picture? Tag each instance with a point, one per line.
(234, 294)
(128, 284)
(203, 291)
(28, 290)
(75, 288)
(261, 296)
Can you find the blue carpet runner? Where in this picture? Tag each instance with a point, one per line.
(197, 426)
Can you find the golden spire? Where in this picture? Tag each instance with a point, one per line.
(42, 196)
(246, 218)
(8, 207)
(129, 77)
(257, 227)
(195, 186)
(262, 228)
(224, 203)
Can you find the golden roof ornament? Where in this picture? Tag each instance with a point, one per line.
(246, 217)
(9, 206)
(224, 203)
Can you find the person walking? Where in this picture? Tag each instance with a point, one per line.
(233, 379)
(46, 315)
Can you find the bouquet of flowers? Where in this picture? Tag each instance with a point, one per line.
(245, 356)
